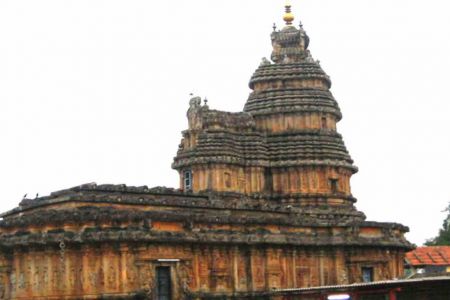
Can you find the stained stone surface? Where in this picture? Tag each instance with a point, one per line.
(268, 205)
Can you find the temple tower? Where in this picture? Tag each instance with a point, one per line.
(284, 144)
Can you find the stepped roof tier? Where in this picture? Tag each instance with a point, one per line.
(120, 213)
(283, 143)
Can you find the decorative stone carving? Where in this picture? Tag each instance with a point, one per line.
(262, 212)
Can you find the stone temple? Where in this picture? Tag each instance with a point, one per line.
(264, 203)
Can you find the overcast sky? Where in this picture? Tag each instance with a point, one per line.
(97, 91)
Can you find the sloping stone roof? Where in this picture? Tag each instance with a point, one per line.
(131, 211)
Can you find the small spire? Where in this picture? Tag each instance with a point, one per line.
(274, 27)
(288, 16)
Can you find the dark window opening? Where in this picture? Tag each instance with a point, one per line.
(188, 180)
(367, 274)
(334, 186)
(163, 283)
(268, 180)
(227, 180)
(324, 123)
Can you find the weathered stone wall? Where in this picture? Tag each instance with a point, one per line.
(99, 241)
(289, 122)
(288, 180)
(268, 205)
(226, 178)
(129, 269)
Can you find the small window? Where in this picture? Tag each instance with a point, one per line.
(324, 122)
(188, 180)
(367, 274)
(334, 185)
(227, 177)
(268, 180)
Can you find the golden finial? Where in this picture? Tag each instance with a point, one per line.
(288, 16)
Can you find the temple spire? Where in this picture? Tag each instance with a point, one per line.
(288, 15)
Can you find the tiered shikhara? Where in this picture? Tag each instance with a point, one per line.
(264, 203)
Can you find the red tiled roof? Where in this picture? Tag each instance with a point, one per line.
(435, 255)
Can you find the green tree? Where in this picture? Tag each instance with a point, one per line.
(443, 238)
